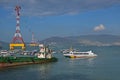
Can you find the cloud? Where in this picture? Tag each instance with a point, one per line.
(57, 7)
(99, 28)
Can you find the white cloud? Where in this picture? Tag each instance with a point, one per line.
(101, 27)
(57, 7)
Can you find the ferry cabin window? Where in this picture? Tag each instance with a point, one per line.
(81, 53)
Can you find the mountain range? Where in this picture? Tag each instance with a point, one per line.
(85, 40)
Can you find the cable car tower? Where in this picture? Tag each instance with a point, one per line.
(17, 39)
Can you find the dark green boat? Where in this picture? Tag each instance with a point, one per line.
(16, 61)
(16, 58)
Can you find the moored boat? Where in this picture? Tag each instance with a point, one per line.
(43, 56)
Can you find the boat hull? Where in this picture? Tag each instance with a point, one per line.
(82, 56)
(8, 62)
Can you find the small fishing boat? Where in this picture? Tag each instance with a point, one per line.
(3, 52)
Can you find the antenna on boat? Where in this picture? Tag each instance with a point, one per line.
(71, 48)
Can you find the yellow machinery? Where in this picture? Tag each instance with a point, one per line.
(34, 44)
(12, 45)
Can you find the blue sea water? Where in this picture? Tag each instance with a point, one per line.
(106, 66)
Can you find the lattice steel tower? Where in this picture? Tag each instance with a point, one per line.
(17, 39)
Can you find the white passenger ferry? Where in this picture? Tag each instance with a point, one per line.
(75, 54)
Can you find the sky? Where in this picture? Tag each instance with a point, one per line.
(49, 18)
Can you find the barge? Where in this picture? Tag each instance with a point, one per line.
(43, 56)
(11, 61)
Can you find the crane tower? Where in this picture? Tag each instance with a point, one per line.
(33, 42)
(17, 40)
